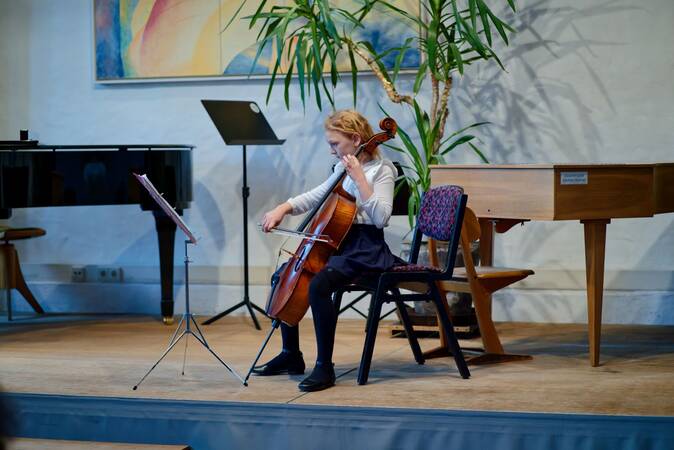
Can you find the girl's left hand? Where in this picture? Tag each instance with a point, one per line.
(353, 167)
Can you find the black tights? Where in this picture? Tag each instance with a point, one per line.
(323, 310)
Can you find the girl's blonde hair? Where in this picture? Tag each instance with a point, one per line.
(351, 122)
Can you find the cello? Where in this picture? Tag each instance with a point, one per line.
(324, 228)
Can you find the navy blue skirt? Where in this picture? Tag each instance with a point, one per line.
(363, 250)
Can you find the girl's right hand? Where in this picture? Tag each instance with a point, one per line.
(273, 218)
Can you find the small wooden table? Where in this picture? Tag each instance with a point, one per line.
(591, 193)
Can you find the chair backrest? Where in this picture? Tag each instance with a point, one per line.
(471, 225)
(440, 217)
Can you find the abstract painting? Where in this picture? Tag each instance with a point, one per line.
(155, 39)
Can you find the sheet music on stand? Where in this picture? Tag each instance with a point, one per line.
(165, 206)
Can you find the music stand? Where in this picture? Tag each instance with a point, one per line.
(241, 123)
(187, 318)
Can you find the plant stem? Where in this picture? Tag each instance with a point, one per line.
(435, 96)
(444, 111)
(388, 86)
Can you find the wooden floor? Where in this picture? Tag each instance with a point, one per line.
(106, 356)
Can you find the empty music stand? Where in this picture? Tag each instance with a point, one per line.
(241, 123)
(187, 318)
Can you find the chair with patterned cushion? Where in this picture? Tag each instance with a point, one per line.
(480, 282)
(440, 217)
(10, 270)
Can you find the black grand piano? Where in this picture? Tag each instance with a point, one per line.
(34, 175)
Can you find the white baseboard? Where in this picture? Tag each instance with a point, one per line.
(144, 298)
(570, 306)
(543, 279)
(520, 305)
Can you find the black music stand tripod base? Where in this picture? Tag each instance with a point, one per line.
(245, 302)
(188, 320)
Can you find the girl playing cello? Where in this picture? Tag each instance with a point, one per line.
(370, 180)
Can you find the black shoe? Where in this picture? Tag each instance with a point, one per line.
(284, 363)
(322, 377)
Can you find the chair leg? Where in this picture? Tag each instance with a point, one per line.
(449, 329)
(409, 331)
(370, 336)
(337, 301)
(18, 282)
(490, 339)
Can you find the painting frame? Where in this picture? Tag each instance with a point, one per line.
(102, 77)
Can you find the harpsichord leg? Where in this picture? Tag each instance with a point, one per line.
(595, 249)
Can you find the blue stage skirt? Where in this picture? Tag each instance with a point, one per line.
(363, 250)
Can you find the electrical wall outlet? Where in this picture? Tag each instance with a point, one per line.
(78, 274)
(105, 274)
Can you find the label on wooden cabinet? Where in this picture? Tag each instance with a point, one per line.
(573, 178)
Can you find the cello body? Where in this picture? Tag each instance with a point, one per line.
(289, 300)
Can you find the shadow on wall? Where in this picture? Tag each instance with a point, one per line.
(538, 113)
(648, 282)
(289, 165)
(211, 215)
(541, 112)
(537, 117)
(274, 174)
(659, 251)
(277, 173)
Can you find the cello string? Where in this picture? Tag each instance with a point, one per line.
(281, 249)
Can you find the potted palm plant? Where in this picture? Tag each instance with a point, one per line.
(311, 39)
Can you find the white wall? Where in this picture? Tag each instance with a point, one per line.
(584, 84)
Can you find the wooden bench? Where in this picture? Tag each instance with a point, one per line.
(480, 282)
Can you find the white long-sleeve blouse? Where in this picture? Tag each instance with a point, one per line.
(376, 210)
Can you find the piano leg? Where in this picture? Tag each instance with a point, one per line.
(166, 233)
(486, 241)
(595, 249)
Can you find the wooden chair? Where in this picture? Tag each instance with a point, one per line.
(10, 275)
(440, 216)
(481, 282)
